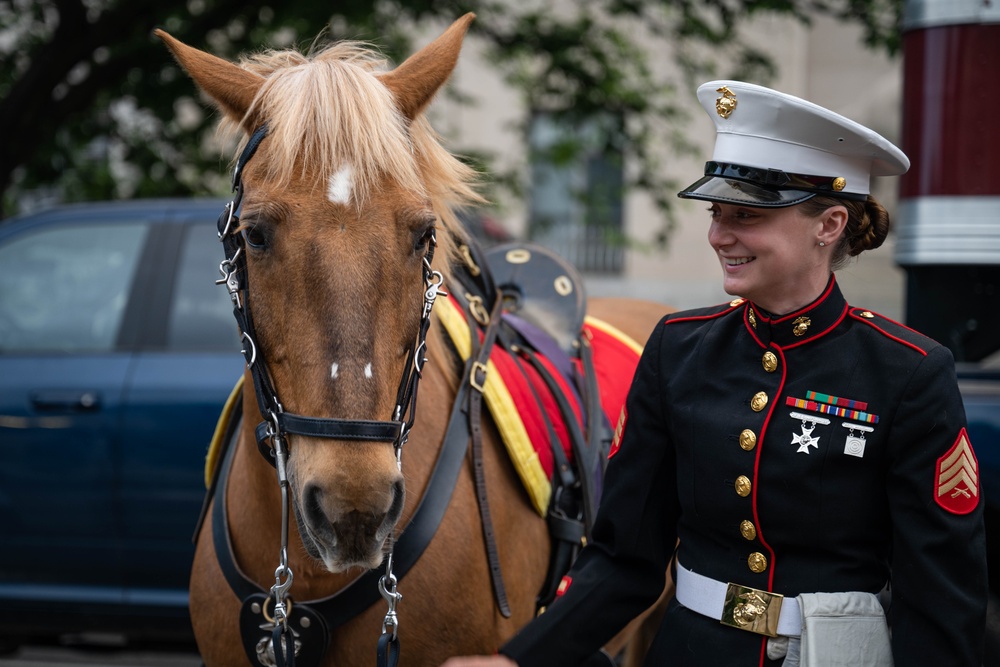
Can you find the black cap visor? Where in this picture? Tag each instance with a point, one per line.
(766, 188)
(732, 191)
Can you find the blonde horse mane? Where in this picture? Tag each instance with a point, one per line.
(329, 109)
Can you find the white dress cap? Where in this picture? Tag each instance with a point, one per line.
(773, 149)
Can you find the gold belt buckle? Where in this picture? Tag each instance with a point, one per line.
(752, 610)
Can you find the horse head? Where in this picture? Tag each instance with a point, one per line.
(341, 202)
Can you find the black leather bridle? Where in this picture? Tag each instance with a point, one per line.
(271, 434)
(278, 422)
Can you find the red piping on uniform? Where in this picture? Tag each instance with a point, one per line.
(822, 333)
(756, 466)
(756, 470)
(700, 318)
(829, 288)
(751, 329)
(888, 335)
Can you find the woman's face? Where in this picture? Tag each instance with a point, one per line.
(772, 256)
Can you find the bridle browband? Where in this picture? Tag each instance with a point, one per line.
(278, 423)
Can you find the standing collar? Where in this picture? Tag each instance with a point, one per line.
(799, 327)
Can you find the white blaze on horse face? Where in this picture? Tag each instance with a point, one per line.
(368, 370)
(341, 185)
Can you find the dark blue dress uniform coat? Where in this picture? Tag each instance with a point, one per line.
(822, 451)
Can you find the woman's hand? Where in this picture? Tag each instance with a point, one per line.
(480, 661)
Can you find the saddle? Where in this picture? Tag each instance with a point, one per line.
(555, 379)
(542, 288)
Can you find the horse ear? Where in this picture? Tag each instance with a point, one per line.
(231, 87)
(415, 82)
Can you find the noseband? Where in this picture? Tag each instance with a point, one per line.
(278, 423)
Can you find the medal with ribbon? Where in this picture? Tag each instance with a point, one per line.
(805, 440)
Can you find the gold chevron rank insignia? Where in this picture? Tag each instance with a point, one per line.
(957, 477)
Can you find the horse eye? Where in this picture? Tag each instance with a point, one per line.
(423, 237)
(255, 238)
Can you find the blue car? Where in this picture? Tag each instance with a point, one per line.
(117, 352)
(980, 386)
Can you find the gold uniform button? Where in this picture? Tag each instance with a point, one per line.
(867, 314)
(736, 302)
(747, 530)
(758, 402)
(743, 486)
(748, 439)
(769, 361)
(757, 562)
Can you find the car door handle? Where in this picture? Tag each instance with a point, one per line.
(72, 400)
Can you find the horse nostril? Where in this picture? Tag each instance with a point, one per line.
(312, 504)
(398, 496)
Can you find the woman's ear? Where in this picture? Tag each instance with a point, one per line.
(832, 221)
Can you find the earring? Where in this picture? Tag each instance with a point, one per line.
(822, 243)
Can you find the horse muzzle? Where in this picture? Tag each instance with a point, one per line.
(344, 530)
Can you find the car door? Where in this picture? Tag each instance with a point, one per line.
(188, 363)
(65, 282)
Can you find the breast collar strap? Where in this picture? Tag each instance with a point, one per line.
(278, 422)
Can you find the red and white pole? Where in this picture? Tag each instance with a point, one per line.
(949, 212)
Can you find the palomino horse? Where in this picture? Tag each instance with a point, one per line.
(343, 192)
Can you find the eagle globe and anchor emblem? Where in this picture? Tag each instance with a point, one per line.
(750, 606)
(725, 105)
(751, 609)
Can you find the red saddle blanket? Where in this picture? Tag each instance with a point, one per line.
(520, 401)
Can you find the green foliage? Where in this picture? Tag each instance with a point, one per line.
(93, 107)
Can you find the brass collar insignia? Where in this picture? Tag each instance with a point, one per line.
(796, 328)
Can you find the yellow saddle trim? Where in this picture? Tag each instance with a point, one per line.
(215, 447)
(613, 331)
(503, 409)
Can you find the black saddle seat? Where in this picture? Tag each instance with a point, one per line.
(541, 288)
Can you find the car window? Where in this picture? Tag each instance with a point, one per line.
(201, 314)
(65, 288)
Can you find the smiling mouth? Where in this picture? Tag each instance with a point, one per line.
(738, 261)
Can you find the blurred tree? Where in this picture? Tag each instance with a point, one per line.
(92, 107)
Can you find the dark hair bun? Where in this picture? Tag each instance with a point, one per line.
(871, 229)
